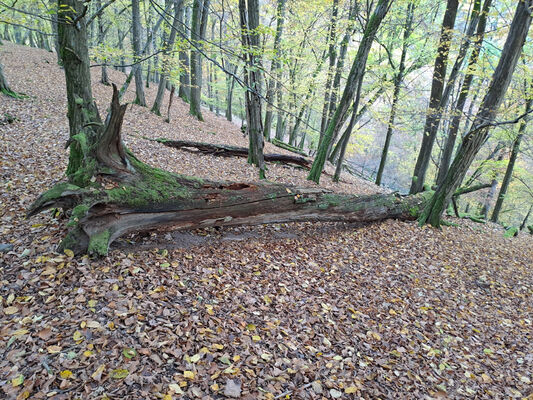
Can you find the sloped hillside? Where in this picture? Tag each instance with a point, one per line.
(302, 311)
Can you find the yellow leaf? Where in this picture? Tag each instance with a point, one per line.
(195, 358)
(215, 387)
(78, 336)
(218, 346)
(256, 338)
(17, 381)
(91, 303)
(53, 349)
(119, 373)
(69, 253)
(66, 374)
(250, 327)
(350, 389)
(20, 332)
(87, 353)
(188, 374)
(167, 397)
(10, 310)
(97, 375)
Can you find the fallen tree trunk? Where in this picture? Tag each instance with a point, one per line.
(126, 195)
(110, 192)
(223, 150)
(288, 147)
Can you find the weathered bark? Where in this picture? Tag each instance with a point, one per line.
(137, 53)
(485, 116)
(222, 150)
(437, 86)
(351, 90)
(274, 69)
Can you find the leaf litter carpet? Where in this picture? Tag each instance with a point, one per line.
(299, 311)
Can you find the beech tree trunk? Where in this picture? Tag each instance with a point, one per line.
(398, 80)
(351, 90)
(339, 69)
(485, 116)
(249, 19)
(184, 91)
(437, 86)
(4, 86)
(332, 54)
(200, 11)
(510, 166)
(110, 192)
(137, 52)
(463, 95)
(168, 50)
(274, 70)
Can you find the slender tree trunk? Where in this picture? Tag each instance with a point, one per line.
(136, 42)
(512, 160)
(168, 52)
(184, 91)
(490, 195)
(332, 53)
(199, 23)
(340, 61)
(334, 156)
(398, 80)
(230, 84)
(463, 95)
(274, 70)
(4, 86)
(437, 86)
(104, 78)
(485, 116)
(524, 222)
(351, 90)
(249, 18)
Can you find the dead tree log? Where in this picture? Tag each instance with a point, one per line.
(223, 150)
(110, 192)
(126, 195)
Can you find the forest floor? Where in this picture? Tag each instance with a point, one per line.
(300, 311)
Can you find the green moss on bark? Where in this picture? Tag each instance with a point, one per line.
(99, 243)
